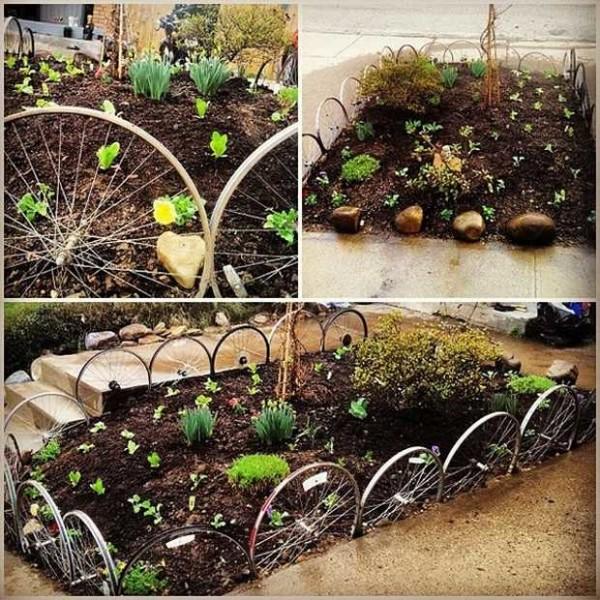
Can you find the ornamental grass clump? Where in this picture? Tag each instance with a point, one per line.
(275, 423)
(426, 366)
(150, 77)
(198, 424)
(209, 74)
(410, 84)
(252, 470)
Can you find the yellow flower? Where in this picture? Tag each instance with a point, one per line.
(164, 212)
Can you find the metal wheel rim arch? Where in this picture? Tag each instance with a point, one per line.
(17, 449)
(62, 530)
(282, 484)
(31, 37)
(285, 317)
(7, 21)
(332, 318)
(541, 398)
(234, 181)
(307, 165)
(584, 435)
(101, 546)
(40, 395)
(540, 54)
(232, 331)
(391, 461)
(10, 499)
(111, 351)
(398, 54)
(335, 101)
(168, 536)
(174, 340)
(354, 101)
(467, 42)
(208, 265)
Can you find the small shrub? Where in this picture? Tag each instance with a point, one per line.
(150, 77)
(406, 85)
(275, 423)
(444, 180)
(530, 384)
(360, 168)
(424, 366)
(256, 469)
(209, 74)
(144, 579)
(449, 76)
(198, 424)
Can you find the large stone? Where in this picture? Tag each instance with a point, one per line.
(18, 377)
(182, 256)
(98, 340)
(409, 220)
(260, 318)
(160, 328)
(346, 219)
(531, 228)
(563, 371)
(151, 338)
(221, 319)
(508, 362)
(175, 331)
(468, 226)
(134, 332)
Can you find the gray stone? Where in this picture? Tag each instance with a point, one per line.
(409, 220)
(133, 332)
(531, 228)
(468, 226)
(99, 340)
(221, 319)
(18, 377)
(563, 371)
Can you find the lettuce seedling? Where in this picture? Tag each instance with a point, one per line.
(358, 408)
(31, 208)
(74, 477)
(98, 487)
(73, 70)
(10, 61)
(284, 223)
(53, 76)
(218, 144)
(212, 386)
(85, 448)
(107, 154)
(128, 435)
(158, 412)
(108, 107)
(99, 426)
(201, 107)
(153, 460)
(25, 87)
(217, 521)
(132, 447)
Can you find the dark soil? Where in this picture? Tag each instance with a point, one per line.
(243, 115)
(528, 187)
(361, 446)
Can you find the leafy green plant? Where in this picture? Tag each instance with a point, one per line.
(331, 501)
(179, 209)
(341, 351)
(98, 487)
(49, 452)
(24, 87)
(391, 200)
(257, 469)
(527, 127)
(311, 200)
(359, 168)
(209, 75)
(275, 423)
(150, 77)
(144, 579)
(505, 402)
(488, 212)
(529, 384)
(201, 401)
(358, 408)
(287, 97)
(284, 223)
(568, 113)
(537, 105)
(73, 70)
(559, 197)
(85, 448)
(106, 155)
(218, 144)
(201, 107)
(277, 518)
(98, 427)
(108, 107)
(157, 415)
(466, 131)
(198, 424)
(322, 179)
(443, 180)
(517, 160)
(338, 199)
(218, 522)
(212, 386)
(31, 206)
(74, 477)
(449, 76)
(255, 380)
(404, 84)
(515, 97)
(132, 447)
(364, 130)
(446, 214)
(10, 62)
(126, 434)
(427, 365)
(153, 460)
(197, 479)
(146, 508)
(478, 68)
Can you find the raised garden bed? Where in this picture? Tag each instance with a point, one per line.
(116, 254)
(532, 153)
(328, 429)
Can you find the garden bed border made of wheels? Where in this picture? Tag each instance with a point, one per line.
(334, 113)
(569, 422)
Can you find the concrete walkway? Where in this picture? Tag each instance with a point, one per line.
(529, 534)
(373, 266)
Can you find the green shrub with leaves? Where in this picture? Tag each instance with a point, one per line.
(257, 469)
(275, 423)
(209, 74)
(360, 168)
(144, 579)
(198, 424)
(529, 384)
(425, 366)
(150, 77)
(50, 451)
(409, 84)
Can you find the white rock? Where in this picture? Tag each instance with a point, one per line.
(182, 256)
